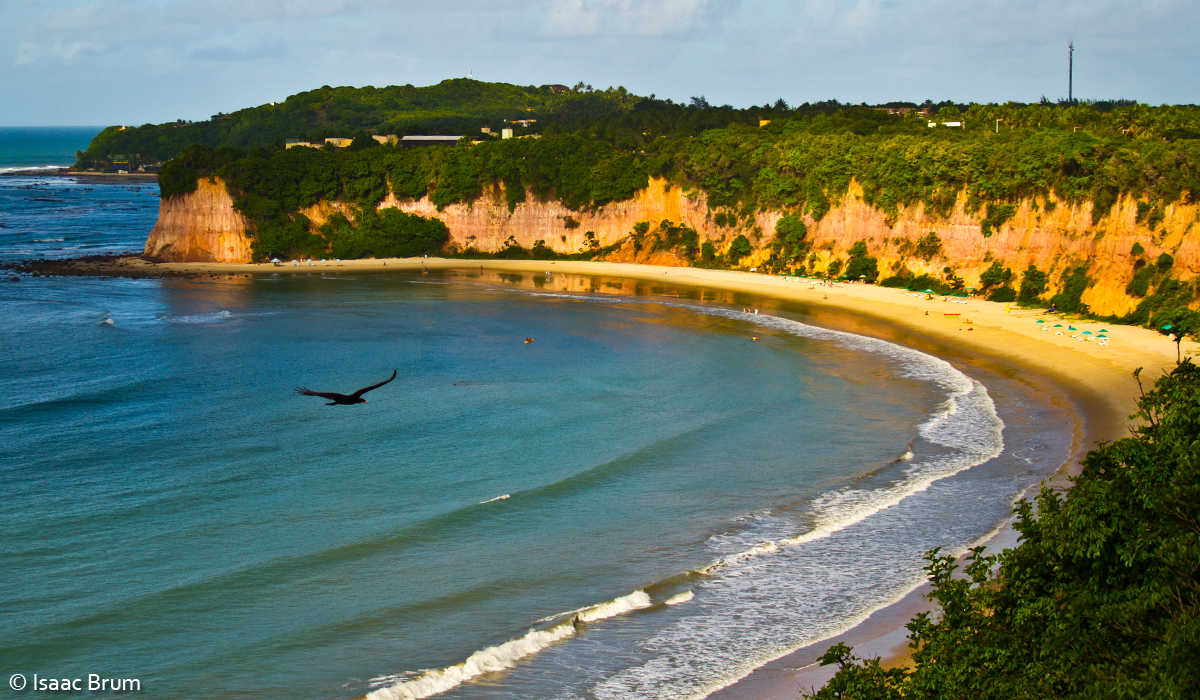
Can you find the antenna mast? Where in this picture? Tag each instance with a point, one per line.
(1070, 72)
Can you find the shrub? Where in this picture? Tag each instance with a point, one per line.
(924, 282)
(739, 249)
(1074, 285)
(1033, 284)
(1098, 600)
(1002, 294)
(1140, 284)
(997, 274)
(929, 246)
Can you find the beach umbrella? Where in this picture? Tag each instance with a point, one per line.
(1040, 321)
(1058, 325)
(274, 259)
(1087, 332)
(928, 291)
(1102, 336)
(1072, 328)
(1103, 330)
(1167, 327)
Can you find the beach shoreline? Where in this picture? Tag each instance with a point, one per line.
(1097, 380)
(85, 176)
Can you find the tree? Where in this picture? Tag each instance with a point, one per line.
(835, 266)
(1033, 283)
(739, 249)
(995, 275)
(861, 264)
(1178, 323)
(791, 231)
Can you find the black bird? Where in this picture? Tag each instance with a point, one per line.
(344, 399)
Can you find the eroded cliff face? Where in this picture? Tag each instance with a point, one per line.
(201, 226)
(486, 223)
(1055, 236)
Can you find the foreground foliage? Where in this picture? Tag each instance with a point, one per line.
(1100, 600)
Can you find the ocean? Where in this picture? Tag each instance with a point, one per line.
(643, 502)
(42, 147)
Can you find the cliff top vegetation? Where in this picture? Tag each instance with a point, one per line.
(603, 146)
(462, 106)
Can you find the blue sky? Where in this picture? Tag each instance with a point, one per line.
(138, 61)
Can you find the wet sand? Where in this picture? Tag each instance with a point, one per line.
(1097, 381)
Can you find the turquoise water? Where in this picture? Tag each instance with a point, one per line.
(642, 503)
(42, 147)
(178, 515)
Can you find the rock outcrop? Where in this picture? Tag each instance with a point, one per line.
(201, 226)
(1055, 236)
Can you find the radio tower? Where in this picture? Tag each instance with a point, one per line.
(1070, 71)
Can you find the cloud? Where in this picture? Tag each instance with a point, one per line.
(56, 49)
(142, 60)
(579, 18)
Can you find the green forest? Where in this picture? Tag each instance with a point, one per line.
(594, 147)
(1101, 598)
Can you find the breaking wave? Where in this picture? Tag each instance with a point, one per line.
(503, 656)
(963, 432)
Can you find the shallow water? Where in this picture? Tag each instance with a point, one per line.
(64, 217)
(697, 500)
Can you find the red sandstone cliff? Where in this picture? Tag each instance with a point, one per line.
(202, 226)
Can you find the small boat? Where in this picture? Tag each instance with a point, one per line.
(528, 341)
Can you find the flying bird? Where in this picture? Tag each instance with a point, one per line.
(344, 399)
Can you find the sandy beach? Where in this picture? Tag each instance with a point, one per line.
(1095, 380)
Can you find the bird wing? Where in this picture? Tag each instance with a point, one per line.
(323, 394)
(360, 392)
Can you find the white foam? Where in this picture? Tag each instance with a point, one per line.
(222, 316)
(741, 629)
(493, 500)
(634, 601)
(503, 656)
(489, 660)
(30, 168)
(680, 598)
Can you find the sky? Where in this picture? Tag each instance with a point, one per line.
(100, 62)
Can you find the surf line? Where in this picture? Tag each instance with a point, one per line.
(505, 656)
(984, 441)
